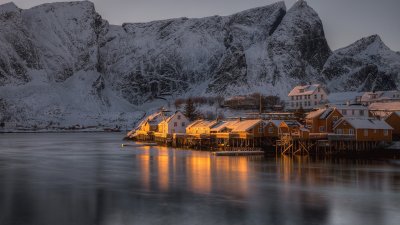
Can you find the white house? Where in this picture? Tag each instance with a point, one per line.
(307, 97)
(358, 111)
(176, 123)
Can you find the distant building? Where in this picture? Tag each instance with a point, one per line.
(380, 96)
(307, 97)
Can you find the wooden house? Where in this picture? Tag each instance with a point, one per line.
(366, 130)
(289, 127)
(322, 120)
(393, 119)
(249, 129)
(271, 128)
(200, 127)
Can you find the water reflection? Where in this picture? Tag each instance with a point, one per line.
(88, 179)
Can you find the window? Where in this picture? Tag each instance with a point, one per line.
(292, 98)
(339, 131)
(351, 131)
(297, 97)
(309, 103)
(386, 132)
(315, 103)
(322, 96)
(315, 97)
(179, 117)
(292, 104)
(261, 128)
(365, 132)
(301, 97)
(297, 104)
(271, 130)
(352, 112)
(183, 124)
(344, 112)
(319, 89)
(321, 129)
(361, 112)
(175, 124)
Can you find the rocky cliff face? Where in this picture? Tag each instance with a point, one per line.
(63, 62)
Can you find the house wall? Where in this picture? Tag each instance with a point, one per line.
(178, 123)
(373, 134)
(394, 121)
(327, 124)
(275, 130)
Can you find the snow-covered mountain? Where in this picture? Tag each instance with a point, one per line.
(366, 65)
(62, 63)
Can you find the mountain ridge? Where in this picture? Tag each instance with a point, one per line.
(55, 47)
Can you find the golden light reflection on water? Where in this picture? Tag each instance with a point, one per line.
(202, 172)
(199, 172)
(163, 169)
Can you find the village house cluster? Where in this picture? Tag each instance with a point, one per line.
(369, 120)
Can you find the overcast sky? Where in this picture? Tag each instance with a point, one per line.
(345, 21)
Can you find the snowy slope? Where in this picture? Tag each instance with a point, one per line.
(62, 63)
(366, 65)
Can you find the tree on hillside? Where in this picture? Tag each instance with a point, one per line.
(190, 110)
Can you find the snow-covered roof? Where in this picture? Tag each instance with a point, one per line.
(385, 106)
(363, 123)
(245, 125)
(224, 124)
(202, 124)
(304, 90)
(315, 113)
(344, 97)
(350, 107)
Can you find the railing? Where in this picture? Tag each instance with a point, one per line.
(341, 137)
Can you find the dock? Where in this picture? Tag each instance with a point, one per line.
(237, 153)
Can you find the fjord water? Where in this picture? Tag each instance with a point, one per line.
(56, 179)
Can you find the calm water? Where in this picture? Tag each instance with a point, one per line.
(52, 179)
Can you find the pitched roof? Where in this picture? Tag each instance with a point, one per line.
(291, 123)
(202, 123)
(304, 90)
(245, 125)
(385, 106)
(275, 122)
(315, 113)
(224, 124)
(360, 123)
